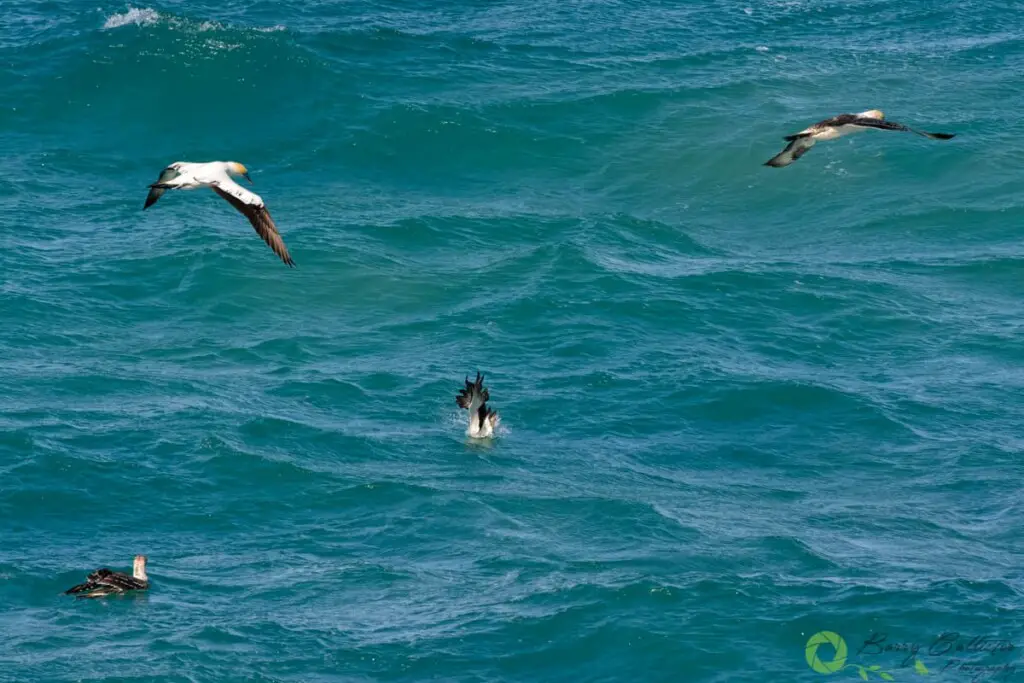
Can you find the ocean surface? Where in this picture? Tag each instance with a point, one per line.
(741, 406)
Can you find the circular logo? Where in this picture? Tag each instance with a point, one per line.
(825, 638)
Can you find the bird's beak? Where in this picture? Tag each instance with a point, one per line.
(246, 176)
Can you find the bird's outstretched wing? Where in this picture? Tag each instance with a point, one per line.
(251, 206)
(793, 151)
(155, 190)
(475, 392)
(892, 125)
(837, 120)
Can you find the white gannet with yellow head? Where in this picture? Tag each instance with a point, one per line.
(837, 127)
(216, 175)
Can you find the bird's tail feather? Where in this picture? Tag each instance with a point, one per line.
(794, 150)
(156, 190)
(783, 158)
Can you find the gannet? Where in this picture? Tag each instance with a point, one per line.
(837, 127)
(105, 582)
(216, 175)
(482, 420)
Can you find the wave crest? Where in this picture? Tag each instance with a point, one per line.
(135, 16)
(146, 16)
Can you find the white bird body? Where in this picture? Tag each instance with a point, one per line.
(216, 175)
(478, 428)
(482, 419)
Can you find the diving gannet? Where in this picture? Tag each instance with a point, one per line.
(105, 582)
(482, 420)
(216, 175)
(837, 127)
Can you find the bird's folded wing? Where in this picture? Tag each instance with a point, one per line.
(88, 585)
(251, 206)
(121, 582)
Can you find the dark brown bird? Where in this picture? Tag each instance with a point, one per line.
(103, 582)
(837, 127)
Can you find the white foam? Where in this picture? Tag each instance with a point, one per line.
(138, 17)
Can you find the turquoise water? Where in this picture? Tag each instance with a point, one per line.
(740, 405)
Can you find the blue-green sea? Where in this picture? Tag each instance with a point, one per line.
(740, 406)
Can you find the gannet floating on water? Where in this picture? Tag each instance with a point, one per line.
(482, 420)
(104, 582)
(837, 127)
(216, 175)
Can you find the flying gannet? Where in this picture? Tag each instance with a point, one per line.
(482, 420)
(837, 127)
(216, 175)
(104, 582)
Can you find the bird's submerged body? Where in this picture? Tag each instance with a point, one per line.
(482, 419)
(103, 582)
(837, 127)
(216, 175)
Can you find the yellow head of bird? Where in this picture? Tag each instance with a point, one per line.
(873, 114)
(239, 169)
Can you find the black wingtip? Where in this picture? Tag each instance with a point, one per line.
(943, 136)
(473, 387)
